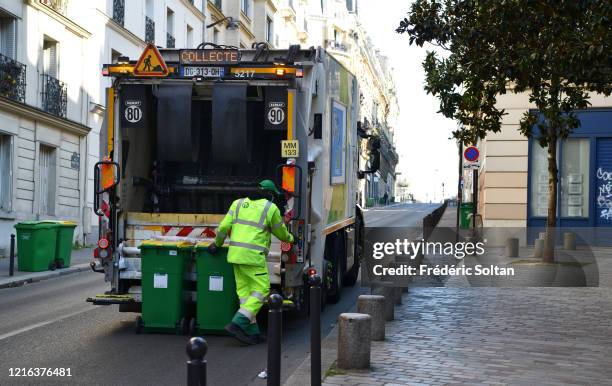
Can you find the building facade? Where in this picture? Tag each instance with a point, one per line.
(513, 178)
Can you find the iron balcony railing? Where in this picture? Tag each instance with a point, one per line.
(59, 6)
(119, 11)
(149, 30)
(169, 40)
(54, 96)
(12, 79)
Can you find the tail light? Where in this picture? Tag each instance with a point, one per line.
(312, 271)
(288, 180)
(299, 73)
(280, 71)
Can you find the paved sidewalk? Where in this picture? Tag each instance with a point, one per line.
(79, 262)
(467, 336)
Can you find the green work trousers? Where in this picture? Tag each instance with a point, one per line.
(253, 287)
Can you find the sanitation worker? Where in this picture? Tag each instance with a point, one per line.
(251, 221)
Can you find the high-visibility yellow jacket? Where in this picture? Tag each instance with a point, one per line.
(251, 222)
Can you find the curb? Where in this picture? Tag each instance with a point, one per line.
(40, 276)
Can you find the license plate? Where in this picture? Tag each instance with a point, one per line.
(205, 72)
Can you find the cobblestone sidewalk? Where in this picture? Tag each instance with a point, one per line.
(527, 336)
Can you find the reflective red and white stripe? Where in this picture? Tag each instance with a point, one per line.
(188, 231)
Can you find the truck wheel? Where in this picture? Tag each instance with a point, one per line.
(304, 306)
(351, 276)
(334, 292)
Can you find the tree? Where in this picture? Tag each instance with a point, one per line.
(557, 51)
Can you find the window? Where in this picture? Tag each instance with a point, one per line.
(8, 42)
(115, 56)
(6, 172)
(170, 21)
(216, 36)
(575, 177)
(245, 7)
(539, 180)
(46, 181)
(269, 29)
(189, 36)
(50, 58)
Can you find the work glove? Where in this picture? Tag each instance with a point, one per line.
(212, 248)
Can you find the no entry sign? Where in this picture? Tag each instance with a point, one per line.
(471, 154)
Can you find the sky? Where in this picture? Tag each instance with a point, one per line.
(428, 158)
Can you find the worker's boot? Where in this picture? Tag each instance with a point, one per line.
(243, 330)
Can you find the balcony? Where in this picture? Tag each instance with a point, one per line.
(149, 30)
(337, 46)
(12, 79)
(119, 11)
(54, 96)
(169, 41)
(59, 6)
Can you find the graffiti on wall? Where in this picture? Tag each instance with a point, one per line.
(604, 194)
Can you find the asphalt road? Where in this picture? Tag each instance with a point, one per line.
(49, 324)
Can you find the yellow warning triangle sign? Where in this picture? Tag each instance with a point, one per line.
(150, 63)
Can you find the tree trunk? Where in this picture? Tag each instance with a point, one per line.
(551, 221)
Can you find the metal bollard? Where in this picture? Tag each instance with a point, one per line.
(12, 256)
(196, 365)
(275, 326)
(315, 330)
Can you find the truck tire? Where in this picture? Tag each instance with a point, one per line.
(325, 279)
(334, 289)
(351, 276)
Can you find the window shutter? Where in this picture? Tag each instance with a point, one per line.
(10, 26)
(6, 176)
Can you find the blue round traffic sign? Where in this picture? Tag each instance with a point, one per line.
(471, 154)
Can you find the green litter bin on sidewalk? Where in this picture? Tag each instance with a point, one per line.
(65, 236)
(36, 244)
(466, 211)
(163, 265)
(217, 301)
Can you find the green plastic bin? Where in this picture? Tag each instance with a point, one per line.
(36, 243)
(217, 301)
(65, 237)
(465, 215)
(163, 265)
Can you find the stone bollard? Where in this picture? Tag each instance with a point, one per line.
(389, 293)
(512, 247)
(373, 305)
(538, 250)
(569, 241)
(354, 335)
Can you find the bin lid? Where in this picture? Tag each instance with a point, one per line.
(35, 225)
(62, 223)
(151, 244)
(205, 244)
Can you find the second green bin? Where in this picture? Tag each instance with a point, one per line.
(65, 237)
(217, 301)
(163, 265)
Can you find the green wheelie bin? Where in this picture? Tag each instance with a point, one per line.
(465, 215)
(65, 237)
(36, 244)
(216, 299)
(163, 265)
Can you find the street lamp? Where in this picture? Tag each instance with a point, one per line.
(231, 23)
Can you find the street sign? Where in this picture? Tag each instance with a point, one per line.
(150, 63)
(471, 165)
(471, 154)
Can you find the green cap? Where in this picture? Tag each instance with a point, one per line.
(269, 186)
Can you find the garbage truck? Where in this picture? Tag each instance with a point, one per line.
(188, 131)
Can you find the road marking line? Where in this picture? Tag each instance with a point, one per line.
(41, 324)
